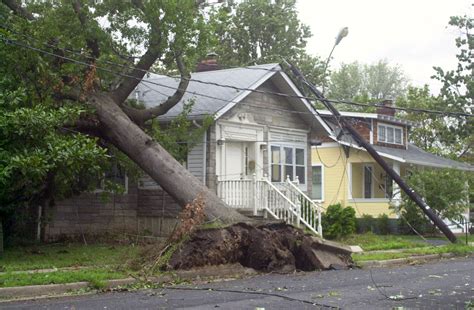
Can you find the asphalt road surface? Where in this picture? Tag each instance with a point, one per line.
(447, 284)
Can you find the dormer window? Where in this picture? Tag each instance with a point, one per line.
(390, 134)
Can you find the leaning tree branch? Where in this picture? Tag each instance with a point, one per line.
(141, 116)
(18, 9)
(92, 43)
(87, 126)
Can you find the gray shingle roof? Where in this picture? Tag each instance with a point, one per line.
(246, 77)
(417, 156)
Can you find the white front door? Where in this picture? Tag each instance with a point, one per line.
(234, 168)
(240, 160)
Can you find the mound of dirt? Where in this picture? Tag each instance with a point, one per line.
(269, 247)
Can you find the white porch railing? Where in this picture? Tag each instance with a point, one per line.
(310, 211)
(287, 203)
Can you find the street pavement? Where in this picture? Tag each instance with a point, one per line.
(447, 284)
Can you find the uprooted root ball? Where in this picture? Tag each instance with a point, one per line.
(269, 247)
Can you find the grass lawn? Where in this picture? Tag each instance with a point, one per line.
(65, 255)
(459, 249)
(372, 242)
(95, 276)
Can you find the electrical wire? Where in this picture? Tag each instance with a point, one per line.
(420, 110)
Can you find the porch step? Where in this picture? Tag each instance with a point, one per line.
(259, 218)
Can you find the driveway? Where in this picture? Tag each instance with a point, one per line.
(446, 284)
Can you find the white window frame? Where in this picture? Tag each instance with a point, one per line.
(293, 147)
(394, 128)
(372, 189)
(322, 182)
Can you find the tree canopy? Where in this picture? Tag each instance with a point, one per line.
(68, 70)
(367, 82)
(260, 31)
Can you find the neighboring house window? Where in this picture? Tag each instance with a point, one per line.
(114, 179)
(390, 134)
(317, 180)
(368, 181)
(287, 161)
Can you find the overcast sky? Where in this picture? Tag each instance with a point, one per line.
(410, 33)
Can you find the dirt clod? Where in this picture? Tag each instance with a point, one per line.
(269, 247)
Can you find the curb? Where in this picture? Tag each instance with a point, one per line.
(405, 260)
(53, 290)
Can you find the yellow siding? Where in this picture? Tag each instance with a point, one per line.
(335, 168)
(372, 208)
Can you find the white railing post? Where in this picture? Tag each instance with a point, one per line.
(254, 193)
(320, 225)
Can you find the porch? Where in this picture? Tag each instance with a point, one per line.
(371, 190)
(284, 201)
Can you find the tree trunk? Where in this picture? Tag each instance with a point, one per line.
(156, 161)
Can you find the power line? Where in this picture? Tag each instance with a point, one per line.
(420, 110)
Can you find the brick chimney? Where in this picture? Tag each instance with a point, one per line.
(386, 108)
(208, 64)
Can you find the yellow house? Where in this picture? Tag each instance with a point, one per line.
(343, 172)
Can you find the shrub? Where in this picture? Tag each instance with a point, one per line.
(383, 225)
(366, 223)
(338, 221)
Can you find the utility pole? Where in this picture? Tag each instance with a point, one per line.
(366, 145)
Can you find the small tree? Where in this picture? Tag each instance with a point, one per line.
(445, 191)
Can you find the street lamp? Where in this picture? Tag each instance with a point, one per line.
(342, 34)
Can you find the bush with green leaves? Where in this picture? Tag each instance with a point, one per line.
(444, 190)
(338, 221)
(366, 223)
(383, 224)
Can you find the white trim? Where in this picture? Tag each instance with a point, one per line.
(294, 146)
(372, 189)
(234, 101)
(349, 179)
(399, 159)
(351, 114)
(306, 102)
(326, 145)
(371, 131)
(322, 181)
(368, 200)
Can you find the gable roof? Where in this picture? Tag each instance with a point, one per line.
(209, 99)
(212, 95)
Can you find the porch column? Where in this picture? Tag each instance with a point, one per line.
(349, 181)
(397, 194)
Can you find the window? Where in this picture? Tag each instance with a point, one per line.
(381, 134)
(389, 134)
(398, 136)
(368, 170)
(114, 179)
(317, 180)
(276, 168)
(287, 161)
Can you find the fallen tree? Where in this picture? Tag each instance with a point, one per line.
(89, 79)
